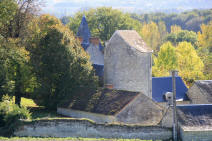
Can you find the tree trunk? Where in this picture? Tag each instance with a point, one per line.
(18, 93)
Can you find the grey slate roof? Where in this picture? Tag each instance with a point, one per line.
(195, 115)
(84, 32)
(133, 39)
(205, 87)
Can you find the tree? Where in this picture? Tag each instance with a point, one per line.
(175, 29)
(151, 35)
(103, 22)
(190, 65)
(7, 11)
(183, 35)
(205, 48)
(19, 13)
(162, 30)
(166, 60)
(61, 67)
(16, 76)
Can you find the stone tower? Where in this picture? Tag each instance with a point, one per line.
(128, 63)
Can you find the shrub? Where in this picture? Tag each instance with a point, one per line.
(10, 113)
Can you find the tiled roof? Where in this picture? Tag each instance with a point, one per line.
(104, 101)
(161, 85)
(206, 88)
(133, 39)
(196, 115)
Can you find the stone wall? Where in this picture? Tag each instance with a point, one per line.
(126, 68)
(141, 110)
(98, 118)
(195, 134)
(196, 96)
(88, 129)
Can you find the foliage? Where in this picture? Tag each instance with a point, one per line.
(183, 35)
(175, 29)
(20, 13)
(10, 113)
(151, 35)
(16, 76)
(190, 65)
(166, 60)
(205, 48)
(7, 11)
(60, 65)
(104, 21)
(189, 20)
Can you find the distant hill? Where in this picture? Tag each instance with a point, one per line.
(69, 7)
(190, 20)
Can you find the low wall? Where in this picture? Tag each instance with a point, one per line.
(88, 129)
(98, 118)
(196, 134)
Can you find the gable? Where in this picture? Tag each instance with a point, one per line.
(132, 39)
(161, 85)
(205, 87)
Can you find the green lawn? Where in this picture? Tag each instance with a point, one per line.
(65, 139)
(38, 112)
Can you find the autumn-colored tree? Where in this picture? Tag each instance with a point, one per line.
(175, 29)
(151, 35)
(166, 60)
(162, 30)
(205, 48)
(190, 65)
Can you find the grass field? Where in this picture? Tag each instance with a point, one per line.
(65, 139)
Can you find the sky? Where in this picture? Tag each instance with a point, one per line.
(69, 7)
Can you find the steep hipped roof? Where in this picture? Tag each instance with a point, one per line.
(205, 87)
(99, 70)
(197, 115)
(104, 101)
(132, 38)
(161, 85)
(84, 32)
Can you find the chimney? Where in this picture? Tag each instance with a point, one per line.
(109, 86)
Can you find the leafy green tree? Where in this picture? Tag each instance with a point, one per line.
(16, 76)
(104, 21)
(61, 67)
(190, 65)
(7, 11)
(15, 15)
(183, 35)
(165, 61)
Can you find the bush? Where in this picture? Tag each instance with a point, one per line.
(10, 113)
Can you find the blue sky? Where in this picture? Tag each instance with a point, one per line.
(69, 7)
